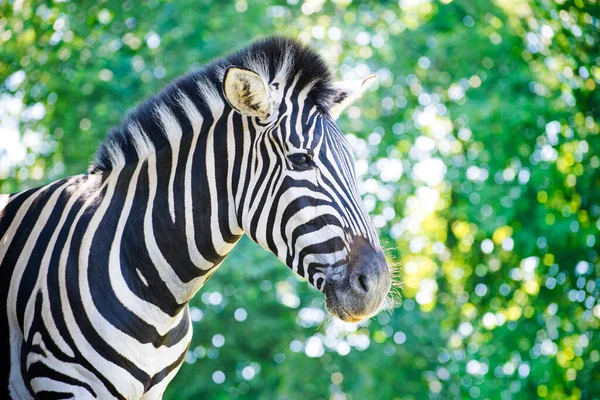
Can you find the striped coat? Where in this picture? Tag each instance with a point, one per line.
(98, 268)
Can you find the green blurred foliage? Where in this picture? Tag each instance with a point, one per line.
(478, 154)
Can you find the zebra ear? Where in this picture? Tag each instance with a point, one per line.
(347, 92)
(247, 93)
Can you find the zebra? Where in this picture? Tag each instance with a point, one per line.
(98, 269)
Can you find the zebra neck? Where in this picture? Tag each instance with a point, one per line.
(180, 213)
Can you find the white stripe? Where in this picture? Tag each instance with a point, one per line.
(246, 173)
(16, 222)
(299, 123)
(285, 68)
(265, 193)
(25, 255)
(252, 200)
(142, 278)
(221, 246)
(311, 130)
(141, 142)
(289, 107)
(191, 112)
(116, 156)
(231, 158)
(173, 132)
(196, 119)
(210, 94)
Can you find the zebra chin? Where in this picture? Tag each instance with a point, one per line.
(357, 290)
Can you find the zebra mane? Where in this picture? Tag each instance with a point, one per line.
(152, 124)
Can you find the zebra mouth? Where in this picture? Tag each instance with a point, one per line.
(335, 307)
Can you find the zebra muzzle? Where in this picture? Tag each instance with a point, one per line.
(357, 290)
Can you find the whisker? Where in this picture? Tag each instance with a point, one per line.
(394, 297)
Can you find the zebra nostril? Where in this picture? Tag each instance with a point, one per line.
(361, 283)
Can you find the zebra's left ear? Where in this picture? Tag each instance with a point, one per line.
(247, 92)
(347, 92)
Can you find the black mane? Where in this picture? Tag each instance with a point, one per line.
(273, 53)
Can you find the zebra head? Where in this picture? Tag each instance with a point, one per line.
(302, 199)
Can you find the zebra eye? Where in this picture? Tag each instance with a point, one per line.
(300, 160)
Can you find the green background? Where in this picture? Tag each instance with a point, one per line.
(491, 111)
